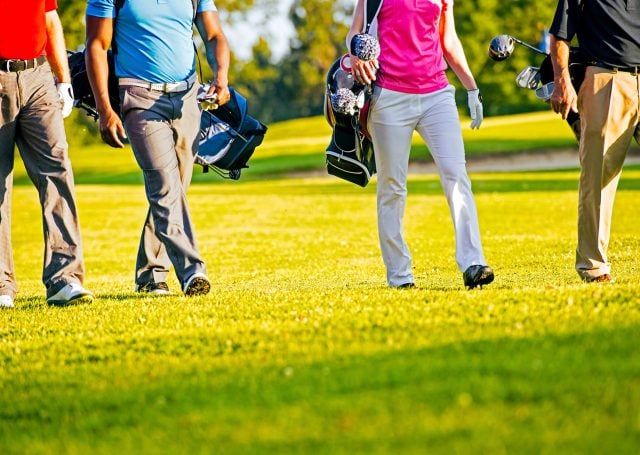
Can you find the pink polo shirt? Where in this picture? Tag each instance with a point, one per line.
(411, 59)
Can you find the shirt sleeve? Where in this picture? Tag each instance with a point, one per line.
(206, 5)
(564, 21)
(101, 8)
(50, 5)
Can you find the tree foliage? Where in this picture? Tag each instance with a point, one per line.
(293, 86)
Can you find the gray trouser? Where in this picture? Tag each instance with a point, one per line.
(31, 117)
(163, 130)
(393, 117)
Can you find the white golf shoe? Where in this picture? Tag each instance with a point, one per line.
(6, 301)
(72, 292)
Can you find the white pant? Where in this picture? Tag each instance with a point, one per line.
(393, 118)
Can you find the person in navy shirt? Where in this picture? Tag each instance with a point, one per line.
(155, 67)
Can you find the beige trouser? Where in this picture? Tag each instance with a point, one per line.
(393, 118)
(31, 118)
(608, 106)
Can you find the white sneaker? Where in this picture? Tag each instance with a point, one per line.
(6, 301)
(197, 284)
(72, 292)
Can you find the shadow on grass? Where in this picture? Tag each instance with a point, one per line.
(554, 392)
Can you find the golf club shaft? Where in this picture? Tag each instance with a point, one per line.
(533, 48)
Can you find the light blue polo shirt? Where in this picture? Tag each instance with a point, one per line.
(154, 37)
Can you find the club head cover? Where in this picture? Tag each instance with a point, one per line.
(365, 47)
(501, 48)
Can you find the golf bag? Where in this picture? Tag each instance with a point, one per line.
(83, 96)
(577, 67)
(350, 151)
(540, 78)
(228, 137)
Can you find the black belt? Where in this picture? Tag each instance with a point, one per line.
(634, 70)
(13, 65)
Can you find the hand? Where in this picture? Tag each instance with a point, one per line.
(475, 108)
(564, 97)
(111, 129)
(364, 72)
(65, 91)
(221, 90)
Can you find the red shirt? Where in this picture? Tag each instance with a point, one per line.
(22, 27)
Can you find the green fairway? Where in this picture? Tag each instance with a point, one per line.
(301, 347)
(299, 145)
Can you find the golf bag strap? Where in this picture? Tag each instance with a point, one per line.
(371, 10)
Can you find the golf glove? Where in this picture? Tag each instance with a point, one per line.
(475, 108)
(65, 91)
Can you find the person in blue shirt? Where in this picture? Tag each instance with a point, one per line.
(160, 116)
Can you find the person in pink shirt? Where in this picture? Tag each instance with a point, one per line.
(411, 93)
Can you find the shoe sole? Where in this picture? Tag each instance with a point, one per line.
(199, 286)
(157, 292)
(78, 300)
(485, 278)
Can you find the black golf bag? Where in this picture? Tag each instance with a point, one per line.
(350, 152)
(83, 96)
(577, 67)
(228, 137)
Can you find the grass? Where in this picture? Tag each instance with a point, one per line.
(301, 347)
(299, 145)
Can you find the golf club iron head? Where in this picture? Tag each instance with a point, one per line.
(544, 91)
(528, 78)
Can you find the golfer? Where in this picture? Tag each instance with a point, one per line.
(155, 66)
(412, 93)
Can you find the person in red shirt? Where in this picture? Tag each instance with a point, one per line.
(32, 117)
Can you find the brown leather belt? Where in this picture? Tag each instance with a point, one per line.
(13, 65)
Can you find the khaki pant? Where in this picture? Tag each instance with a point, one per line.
(393, 118)
(163, 130)
(608, 105)
(31, 118)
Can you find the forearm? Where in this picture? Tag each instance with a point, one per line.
(56, 48)
(218, 57)
(559, 58)
(454, 54)
(99, 35)
(98, 74)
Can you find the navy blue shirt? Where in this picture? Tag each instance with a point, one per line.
(607, 30)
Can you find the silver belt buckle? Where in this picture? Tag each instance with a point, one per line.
(172, 86)
(8, 65)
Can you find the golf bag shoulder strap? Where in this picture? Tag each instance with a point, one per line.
(371, 10)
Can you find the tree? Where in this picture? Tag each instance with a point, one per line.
(320, 33)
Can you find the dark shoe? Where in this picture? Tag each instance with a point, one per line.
(198, 284)
(406, 286)
(477, 275)
(151, 287)
(605, 278)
